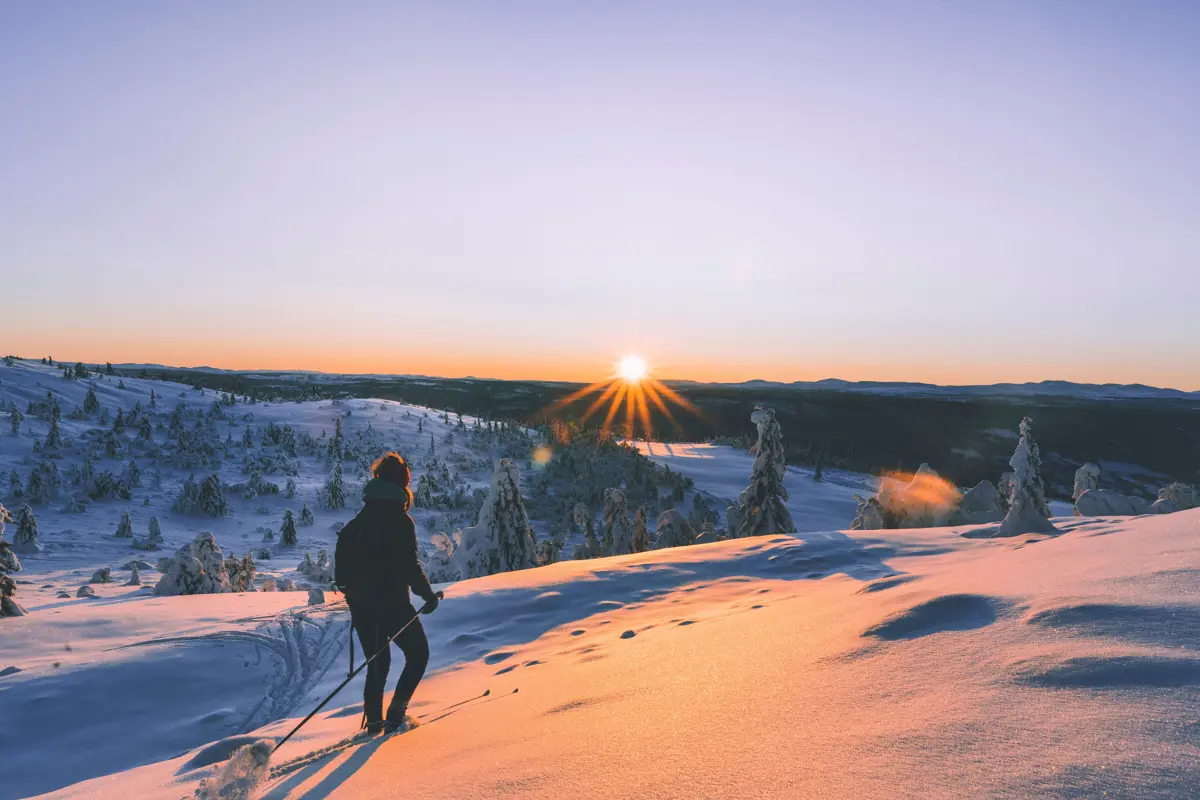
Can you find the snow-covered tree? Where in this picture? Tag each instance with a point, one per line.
(25, 540)
(501, 540)
(145, 429)
(306, 516)
(289, 490)
(287, 531)
(125, 526)
(247, 438)
(335, 491)
(14, 417)
(440, 565)
(132, 477)
(153, 399)
(119, 422)
(154, 541)
(641, 533)
(197, 568)
(240, 573)
(9, 607)
(1028, 511)
(16, 487)
(869, 515)
(761, 508)
(1086, 477)
(618, 536)
(91, 403)
(53, 436)
(8, 559)
(673, 530)
(206, 498)
(321, 570)
(333, 451)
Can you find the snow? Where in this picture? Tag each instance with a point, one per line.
(828, 663)
(917, 664)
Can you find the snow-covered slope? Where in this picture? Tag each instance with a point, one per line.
(919, 663)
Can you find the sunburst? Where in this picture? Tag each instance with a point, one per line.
(633, 387)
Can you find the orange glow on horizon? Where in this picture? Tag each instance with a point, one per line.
(309, 351)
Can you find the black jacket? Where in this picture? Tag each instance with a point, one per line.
(376, 558)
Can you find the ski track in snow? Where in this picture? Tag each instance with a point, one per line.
(303, 650)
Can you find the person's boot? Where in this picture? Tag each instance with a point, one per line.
(398, 721)
(374, 728)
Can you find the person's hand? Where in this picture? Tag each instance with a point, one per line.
(431, 605)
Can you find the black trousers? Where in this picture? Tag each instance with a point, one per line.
(375, 626)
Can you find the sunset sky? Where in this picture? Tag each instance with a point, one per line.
(956, 192)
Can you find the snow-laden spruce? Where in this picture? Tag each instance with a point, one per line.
(1175, 497)
(761, 508)
(1087, 478)
(124, 527)
(25, 540)
(1028, 511)
(154, 541)
(9, 607)
(501, 541)
(8, 559)
(440, 564)
(321, 569)
(673, 530)
(197, 568)
(287, 530)
(618, 535)
(641, 533)
(582, 518)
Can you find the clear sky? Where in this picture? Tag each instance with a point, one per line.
(953, 191)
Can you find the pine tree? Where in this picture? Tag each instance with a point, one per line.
(502, 540)
(431, 446)
(125, 526)
(1028, 511)
(335, 497)
(333, 452)
(641, 533)
(247, 438)
(53, 436)
(119, 423)
(145, 430)
(25, 539)
(108, 368)
(761, 509)
(16, 487)
(15, 416)
(91, 403)
(211, 499)
(287, 531)
(306, 515)
(618, 536)
(153, 399)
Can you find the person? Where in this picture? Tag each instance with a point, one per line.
(376, 566)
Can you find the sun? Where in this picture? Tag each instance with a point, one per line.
(633, 387)
(632, 368)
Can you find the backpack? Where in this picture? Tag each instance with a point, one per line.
(356, 562)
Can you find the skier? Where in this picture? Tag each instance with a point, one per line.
(376, 565)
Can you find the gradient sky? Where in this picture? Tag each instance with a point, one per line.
(954, 191)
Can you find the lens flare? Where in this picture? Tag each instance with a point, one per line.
(631, 385)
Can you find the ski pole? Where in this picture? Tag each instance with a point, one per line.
(350, 677)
